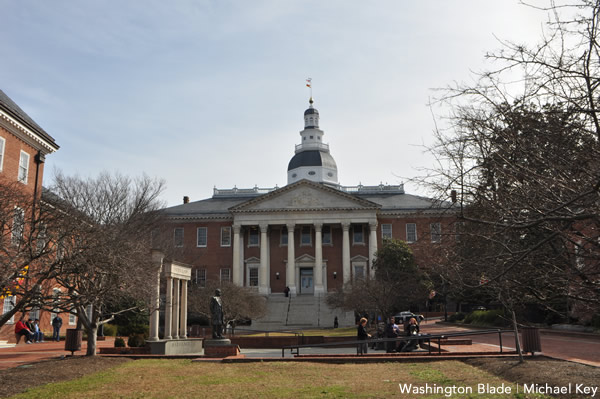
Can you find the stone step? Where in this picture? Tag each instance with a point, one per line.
(5, 344)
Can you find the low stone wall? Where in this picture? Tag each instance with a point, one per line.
(276, 342)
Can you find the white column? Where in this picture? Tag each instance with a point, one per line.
(175, 332)
(183, 310)
(237, 276)
(263, 286)
(372, 247)
(157, 258)
(346, 251)
(169, 308)
(290, 273)
(318, 272)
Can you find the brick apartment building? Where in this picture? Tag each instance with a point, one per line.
(23, 148)
(312, 235)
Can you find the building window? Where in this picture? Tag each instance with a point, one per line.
(459, 228)
(283, 237)
(178, 237)
(34, 314)
(72, 319)
(18, 226)
(386, 231)
(411, 232)
(436, 232)
(202, 237)
(306, 236)
(200, 277)
(55, 303)
(2, 145)
(253, 277)
(326, 235)
(359, 271)
(225, 236)
(253, 237)
(42, 238)
(23, 167)
(9, 304)
(225, 274)
(358, 236)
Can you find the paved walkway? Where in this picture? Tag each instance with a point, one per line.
(30, 353)
(573, 347)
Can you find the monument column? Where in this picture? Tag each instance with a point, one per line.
(290, 272)
(346, 251)
(372, 247)
(168, 308)
(318, 272)
(183, 310)
(237, 267)
(157, 259)
(263, 286)
(175, 332)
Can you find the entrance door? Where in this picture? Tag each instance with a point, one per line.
(306, 281)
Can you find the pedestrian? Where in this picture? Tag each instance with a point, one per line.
(56, 325)
(286, 291)
(362, 335)
(21, 330)
(336, 324)
(38, 334)
(391, 331)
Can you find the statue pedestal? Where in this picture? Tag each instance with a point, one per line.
(220, 348)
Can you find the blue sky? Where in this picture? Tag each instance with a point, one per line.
(211, 93)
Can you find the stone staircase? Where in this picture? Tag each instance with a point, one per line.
(300, 312)
(5, 344)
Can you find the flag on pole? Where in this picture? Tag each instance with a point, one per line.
(309, 82)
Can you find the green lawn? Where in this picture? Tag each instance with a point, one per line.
(187, 379)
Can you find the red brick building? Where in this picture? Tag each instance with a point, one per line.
(23, 148)
(312, 235)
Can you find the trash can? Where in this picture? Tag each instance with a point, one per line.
(73, 340)
(531, 339)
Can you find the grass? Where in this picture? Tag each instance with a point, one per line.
(187, 379)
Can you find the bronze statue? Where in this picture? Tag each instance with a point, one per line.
(216, 311)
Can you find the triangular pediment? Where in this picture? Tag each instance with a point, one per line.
(305, 258)
(304, 195)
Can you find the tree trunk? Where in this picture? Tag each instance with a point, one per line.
(517, 340)
(91, 340)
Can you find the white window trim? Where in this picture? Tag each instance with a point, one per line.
(416, 236)
(198, 275)
(175, 237)
(436, 236)
(354, 242)
(310, 242)
(7, 306)
(198, 245)
(26, 178)
(72, 319)
(258, 235)
(224, 228)
(284, 233)
(13, 239)
(249, 268)
(3, 146)
(221, 274)
(391, 235)
(323, 242)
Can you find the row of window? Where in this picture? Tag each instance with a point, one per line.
(23, 162)
(358, 235)
(9, 304)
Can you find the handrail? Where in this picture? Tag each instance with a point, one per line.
(427, 337)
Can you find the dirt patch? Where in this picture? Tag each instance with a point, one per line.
(541, 370)
(18, 379)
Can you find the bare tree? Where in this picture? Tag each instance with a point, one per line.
(239, 303)
(27, 255)
(521, 154)
(398, 284)
(106, 253)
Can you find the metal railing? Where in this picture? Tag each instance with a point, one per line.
(424, 337)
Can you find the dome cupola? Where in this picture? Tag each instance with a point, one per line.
(312, 160)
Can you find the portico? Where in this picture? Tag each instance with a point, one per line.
(302, 210)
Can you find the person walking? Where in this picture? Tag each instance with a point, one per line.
(56, 325)
(362, 335)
